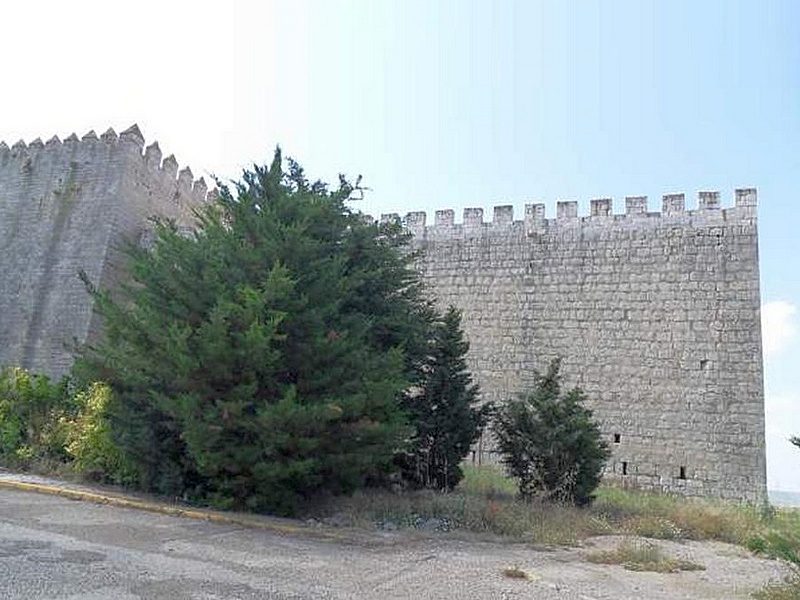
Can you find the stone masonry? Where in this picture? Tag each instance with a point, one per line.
(66, 207)
(655, 315)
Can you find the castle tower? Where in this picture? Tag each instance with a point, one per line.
(65, 207)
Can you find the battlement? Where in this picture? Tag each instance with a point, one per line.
(673, 208)
(66, 207)
(656, 314)
(91, 148)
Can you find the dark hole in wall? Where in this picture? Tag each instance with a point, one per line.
(682, 474)
(624, 467)
(616, 438)
(704, 364)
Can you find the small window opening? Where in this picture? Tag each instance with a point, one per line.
(616, 438)
(704, 364)
(624, 467)
(682, 474)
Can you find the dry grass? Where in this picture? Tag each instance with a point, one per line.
(785, 590)
(515, 573)
(485, 503)
(668, 517)
(538, 523)
(638, 555)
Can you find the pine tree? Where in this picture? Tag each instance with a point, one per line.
(549, 442)
(262, 360)
(444, 410)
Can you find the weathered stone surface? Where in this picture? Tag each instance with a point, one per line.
(63, 209)
(656, 316)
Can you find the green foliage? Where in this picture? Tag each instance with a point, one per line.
(30, 408)
(488, 481)
(443, 407)
(550, 443)
(776, 543)
(261, 361)
(88, 443)
(47, 426)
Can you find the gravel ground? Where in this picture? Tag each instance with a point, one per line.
(52, 547)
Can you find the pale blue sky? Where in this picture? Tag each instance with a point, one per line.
(452, 104)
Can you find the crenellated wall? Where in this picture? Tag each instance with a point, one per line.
(65, 206)
(656, 316)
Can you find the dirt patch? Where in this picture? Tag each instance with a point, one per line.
(728, 572)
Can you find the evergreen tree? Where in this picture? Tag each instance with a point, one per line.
(795, 440)
(550, 443)
(444, 409)
(262, 360)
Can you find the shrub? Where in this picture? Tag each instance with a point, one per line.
(444, 408)
(88, 442)
(550, 443)
(30, 410)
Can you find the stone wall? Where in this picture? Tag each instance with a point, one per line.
(66, 207)
(656, 316)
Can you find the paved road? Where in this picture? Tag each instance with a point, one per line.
(55, 548)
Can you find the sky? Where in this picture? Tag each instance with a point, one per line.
(452, 104)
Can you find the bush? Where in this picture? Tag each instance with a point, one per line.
(550, 443)
(31, 407)
(88, 440)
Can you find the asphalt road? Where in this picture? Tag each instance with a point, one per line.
(56, 548)
(52, 547)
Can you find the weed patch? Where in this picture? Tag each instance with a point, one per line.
(642, 556)
(789, 589)
(515, 573)
(485, 502)
(518, 573)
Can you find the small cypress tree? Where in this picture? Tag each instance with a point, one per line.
(549, 442)
(444, 409)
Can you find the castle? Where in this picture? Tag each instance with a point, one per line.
(655, 314)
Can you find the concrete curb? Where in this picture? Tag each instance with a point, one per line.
(251, 522)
